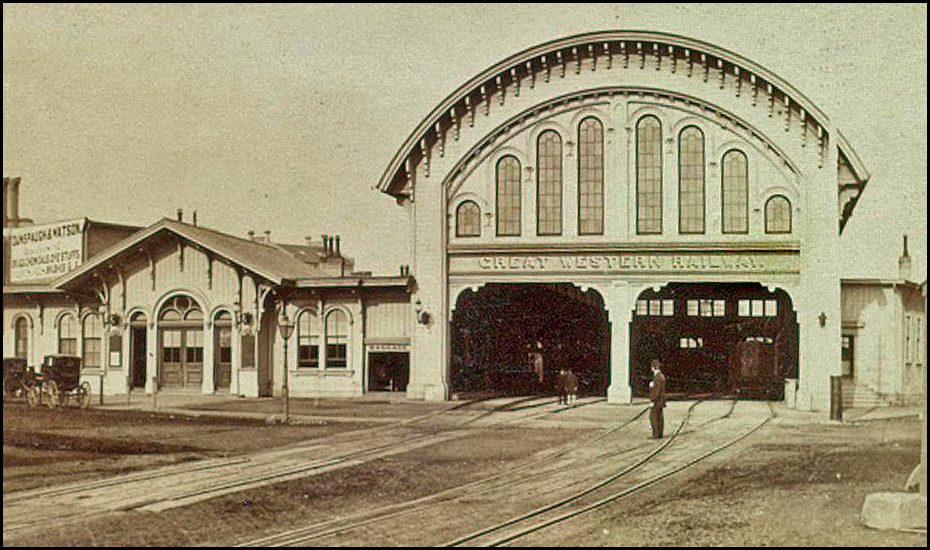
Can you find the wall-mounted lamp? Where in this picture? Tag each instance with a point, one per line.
(423, 316)
(114, 320)
(823, 319)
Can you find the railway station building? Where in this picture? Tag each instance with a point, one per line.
(179, 307)
(594, 203)
(615, 197)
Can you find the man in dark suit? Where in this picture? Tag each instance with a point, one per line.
(657, 396)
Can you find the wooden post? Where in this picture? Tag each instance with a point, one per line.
(102, 375)
(154, 392)
(836, 398)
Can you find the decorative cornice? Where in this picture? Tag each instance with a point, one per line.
(667, 52)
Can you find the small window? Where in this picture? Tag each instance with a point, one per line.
(68, 335)
(642, 307)
(468, 220)
(337, 337)
(778, 215)
(308, 340)
(21, 345)
(720, 308)
(93, 341)
(668, 308)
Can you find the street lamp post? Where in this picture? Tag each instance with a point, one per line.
(286, 328)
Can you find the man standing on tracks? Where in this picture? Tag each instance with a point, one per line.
(657, 396)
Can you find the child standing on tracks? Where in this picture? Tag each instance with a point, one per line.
(657, 396)
(571, 387)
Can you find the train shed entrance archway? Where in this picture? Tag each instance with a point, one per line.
(513, 338)
(729, 339)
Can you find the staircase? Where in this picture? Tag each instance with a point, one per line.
(861, 397)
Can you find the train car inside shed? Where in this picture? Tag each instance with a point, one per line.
(725, 339)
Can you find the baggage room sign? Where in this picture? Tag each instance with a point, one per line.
(43, 252)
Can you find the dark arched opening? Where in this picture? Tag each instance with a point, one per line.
(726, 338)
(499, 332)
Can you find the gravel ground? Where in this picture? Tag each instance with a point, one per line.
(787, 486)
(799, 484)
(44, 446)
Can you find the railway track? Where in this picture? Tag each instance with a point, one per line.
(179, 485)
(514, 480)
(617, 487)
(502, 480)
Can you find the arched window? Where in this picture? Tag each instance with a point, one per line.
(735, 192)
(308, 340)
(508, 196)
(337, 339)
(649, 176)
(691, 180)
(778, 215)
(590, 177)
(468, 220)
(549, 184)
(92, 341)
(21, 338)
(67, 335)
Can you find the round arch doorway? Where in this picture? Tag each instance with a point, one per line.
(721, 338)
(180, 331)
(513, 338)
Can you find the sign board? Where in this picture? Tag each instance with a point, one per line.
(43, 252)
(627, 263)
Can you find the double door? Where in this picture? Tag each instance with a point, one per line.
(181, 358)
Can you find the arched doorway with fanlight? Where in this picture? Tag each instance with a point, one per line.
(180, 333)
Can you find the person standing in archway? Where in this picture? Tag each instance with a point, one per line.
(657, 396)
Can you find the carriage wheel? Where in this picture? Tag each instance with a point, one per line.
(83, 394)
(33, 397)
(50, 388)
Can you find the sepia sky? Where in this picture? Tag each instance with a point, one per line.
(283, 117)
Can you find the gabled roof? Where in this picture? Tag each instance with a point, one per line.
(267, 260)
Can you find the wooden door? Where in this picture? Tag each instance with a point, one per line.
(193, 358)
(222, 357)
(172, 358)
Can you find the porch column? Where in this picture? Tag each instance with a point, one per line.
(619, 301)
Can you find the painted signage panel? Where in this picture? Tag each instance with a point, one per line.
(43, 252)
(627, 263)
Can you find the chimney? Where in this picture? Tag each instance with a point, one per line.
(904, 263)
(338, 253)
(325, 245)
(14, 202)
(251, 235)
(6, 201)
(194, 219)
(267, 236)
(180, 215)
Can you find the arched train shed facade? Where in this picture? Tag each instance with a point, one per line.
(613, 197)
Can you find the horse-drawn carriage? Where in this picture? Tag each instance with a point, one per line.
(57, 382)
(60, 381)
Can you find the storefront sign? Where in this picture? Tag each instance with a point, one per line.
(388, 347)
(45, 252)
(627, 263)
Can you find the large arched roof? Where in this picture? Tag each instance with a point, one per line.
(582, 46)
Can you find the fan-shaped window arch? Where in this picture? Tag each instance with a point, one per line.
(549, 183)
(92, 341)
(691, 180)
(181, 308)
(67, 334)
(468, 219)
(591, 177)
(21, 338)
(337, 339)
(308, 339)
(735, 183)
(509, 193)
(778, 214)
(649, 176)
